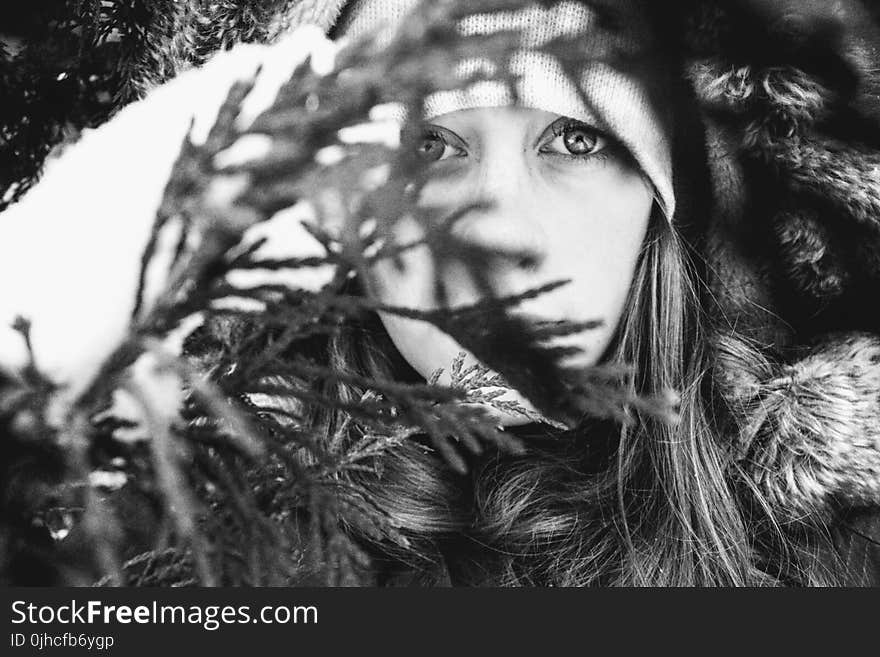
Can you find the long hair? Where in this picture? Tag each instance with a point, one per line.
(643, 503)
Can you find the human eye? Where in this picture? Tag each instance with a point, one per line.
(573, 139)
(435, 144)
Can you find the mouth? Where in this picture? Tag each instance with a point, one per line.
(555, 331)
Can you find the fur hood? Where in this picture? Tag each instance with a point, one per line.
(789, 100)
(793, 243)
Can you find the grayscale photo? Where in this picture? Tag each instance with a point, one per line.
(450, 293)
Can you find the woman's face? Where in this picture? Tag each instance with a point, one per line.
(564, 202)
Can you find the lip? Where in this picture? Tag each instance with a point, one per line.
(534, 320)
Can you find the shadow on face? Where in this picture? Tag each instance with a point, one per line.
(558, 201)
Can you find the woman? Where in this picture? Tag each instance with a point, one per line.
(647, 503)
(602, 182)
(570, 198)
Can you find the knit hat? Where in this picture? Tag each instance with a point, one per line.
(616, 91)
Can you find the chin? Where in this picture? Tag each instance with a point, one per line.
(427, 349)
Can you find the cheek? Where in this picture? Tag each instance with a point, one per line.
(404, 282)
(595, 237)
(412, 285)
(597, 244)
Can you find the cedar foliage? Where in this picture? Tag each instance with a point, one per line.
(224, 484)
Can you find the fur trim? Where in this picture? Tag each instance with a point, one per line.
(846, 175)
(809, 259)
(323, 13)
(807, 434)
(796, 234)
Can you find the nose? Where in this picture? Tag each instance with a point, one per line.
(503, 235)
(505, 226)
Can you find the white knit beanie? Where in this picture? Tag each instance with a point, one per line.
(620, 102)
